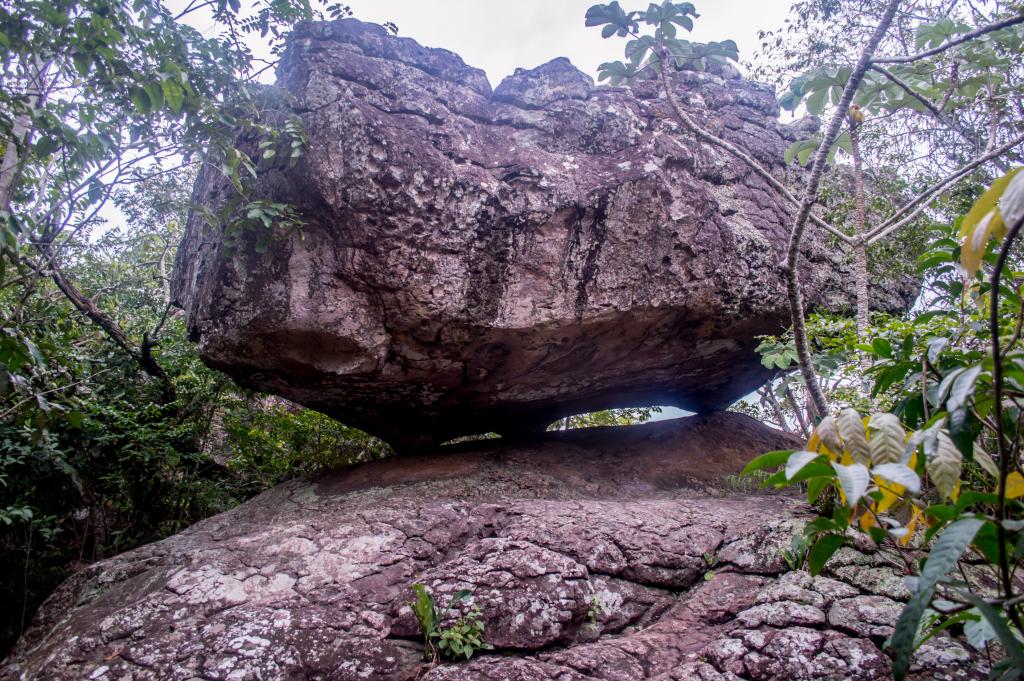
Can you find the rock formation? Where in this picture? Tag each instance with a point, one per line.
(611, 554)
(477, 261)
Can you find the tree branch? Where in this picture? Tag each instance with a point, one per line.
(997, 400)
(688, 123)
(144, 357)
(796, 303)
(919, 202)
(959, 40)
(938, 114)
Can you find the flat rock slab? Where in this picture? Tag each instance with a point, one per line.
(476, 260)
(627, 578)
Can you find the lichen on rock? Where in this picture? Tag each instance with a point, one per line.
(313, 579)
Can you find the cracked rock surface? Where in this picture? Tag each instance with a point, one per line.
(611, 554)
(476, 260)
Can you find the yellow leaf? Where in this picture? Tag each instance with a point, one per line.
(975, 243)
(986, 202)
(915, 519)
(1014, 485)
(983, 222)
(812, 444)
(867, 521)
(891, 493)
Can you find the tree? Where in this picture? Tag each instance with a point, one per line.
(112, 432)
(99, 95)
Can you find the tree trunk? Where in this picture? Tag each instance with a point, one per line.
(10, 167)
(796, 301)
(860, 248)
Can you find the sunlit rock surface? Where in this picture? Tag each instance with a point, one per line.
(312, 580)
(479, 261)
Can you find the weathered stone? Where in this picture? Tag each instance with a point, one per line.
(870, 616)
(312, 579)
(782, 614)
(475, 261)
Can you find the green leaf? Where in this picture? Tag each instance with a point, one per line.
(944, 555)
(769, 460)
(977, 630)
(82, 63)
(887, 436)
(173, 94)
(46, 145)
(815, 102)
(881, 347)
(141, 100)
(797, 460)
(985, 461)
(851, 428)
(853, 480)
(822, 550)
(1011, 644)
(947, 550)
(962, 388)
(815, 486)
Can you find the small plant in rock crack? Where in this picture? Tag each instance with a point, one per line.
(794, 555)
(711, 560)
(462, 638)
(595, 610)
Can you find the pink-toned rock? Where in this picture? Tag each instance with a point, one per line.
(583, 571)
(478, 261)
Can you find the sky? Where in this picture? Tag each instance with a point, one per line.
(499, 36)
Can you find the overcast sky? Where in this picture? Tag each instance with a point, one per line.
(498, 36)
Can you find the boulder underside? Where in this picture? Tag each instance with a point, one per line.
(476, 260)
(617, 555)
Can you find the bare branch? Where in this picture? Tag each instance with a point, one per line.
(919, 202)
(959, 40)
(796, 303)
(688, 123)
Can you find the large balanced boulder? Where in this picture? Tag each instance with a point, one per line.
(476, 260)
(610, 554)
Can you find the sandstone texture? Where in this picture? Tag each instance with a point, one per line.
(586, 563)
(480, 260)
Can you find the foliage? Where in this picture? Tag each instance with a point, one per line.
(93, 460)
(608, 417)
(643, 53)
(939, 471)
(461, 638)
(270, 440)
(710, 560)
(971, 86)
(464, 636)
(594, 610)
